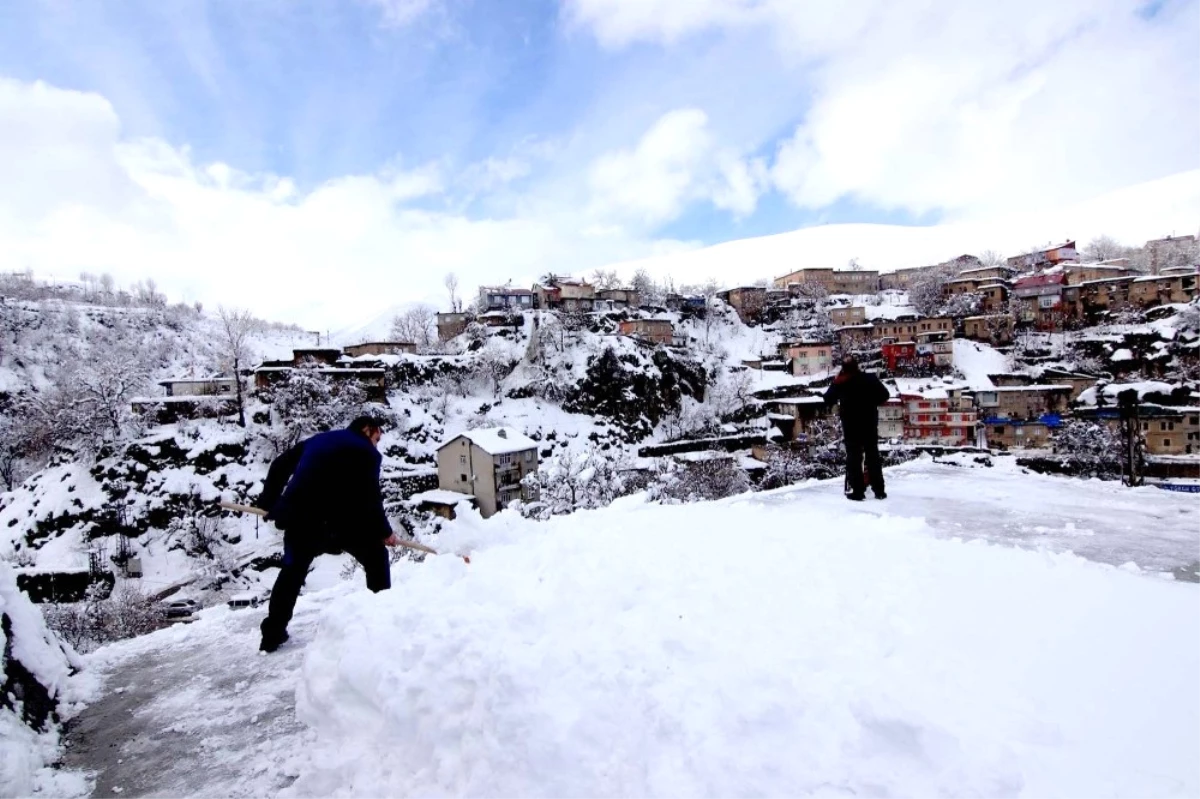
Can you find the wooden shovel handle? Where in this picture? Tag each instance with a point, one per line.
(233, 506)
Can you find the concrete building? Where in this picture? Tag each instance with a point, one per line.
(199, 386)
(505, 298)
(808, 357)
(833, 281)
(1172, 251)
(937, 413)
(488, 464)
(381, 348)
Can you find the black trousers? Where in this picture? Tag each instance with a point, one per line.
(297, 558)
(860, 445)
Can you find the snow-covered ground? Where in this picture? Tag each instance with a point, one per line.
(790, 643)
(976, 361)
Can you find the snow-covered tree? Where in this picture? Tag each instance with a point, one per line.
(308, 402)
(927, 291)
(698, 480)
(1090, 448)
(961, 305)
(573, 480)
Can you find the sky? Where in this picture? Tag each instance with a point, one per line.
(319, 161)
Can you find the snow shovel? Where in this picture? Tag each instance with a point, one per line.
(406, 544)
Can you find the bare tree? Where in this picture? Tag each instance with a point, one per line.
(991, 258)
(417, 325)
(853, 265)
(237, 327)
(605, 279)
(1102, 248)
(107, 284)
(451, 283)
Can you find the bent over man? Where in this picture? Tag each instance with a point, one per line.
(324, 494)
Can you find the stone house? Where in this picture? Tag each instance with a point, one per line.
(854, 315)
(1154, 290)
(490, 465)
(451, 325)
(1023, 402)
(565, 294)
(656, 331)
(1049, 256)
(747, 301)
(620, 298)
(994, 329)
(794, 416)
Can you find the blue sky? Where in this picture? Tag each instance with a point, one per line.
(580, 130)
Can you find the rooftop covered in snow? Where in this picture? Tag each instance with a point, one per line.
(495, 440)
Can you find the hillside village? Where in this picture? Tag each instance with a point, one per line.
(128, 419)
(573, 392)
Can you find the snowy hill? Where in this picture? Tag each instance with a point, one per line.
(787, 643)
(1132, 215)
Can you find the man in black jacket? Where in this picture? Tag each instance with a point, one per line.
(324, 494)
(859, 395)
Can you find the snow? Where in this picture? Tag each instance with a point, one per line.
(1122, 355)
(977, 361)
(787, 643)
(496, 440)
(439, 496)
(1089, 396)
(26, 755)
(900, 664)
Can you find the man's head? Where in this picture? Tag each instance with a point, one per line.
(369, 426)
(850, 365)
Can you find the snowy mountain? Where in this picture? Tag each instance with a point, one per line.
(1132, 215)
(786, 643)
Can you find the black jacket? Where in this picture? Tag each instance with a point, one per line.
(332, 484)
(858, 397)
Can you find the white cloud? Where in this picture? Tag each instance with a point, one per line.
(75, 196)
(968, 108)
(398, 13)
(675, 162)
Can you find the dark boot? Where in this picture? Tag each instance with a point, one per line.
(857, 496)
(272, 639)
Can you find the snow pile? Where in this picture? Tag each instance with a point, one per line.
(25, 754)
(751, 647)
(977, 361)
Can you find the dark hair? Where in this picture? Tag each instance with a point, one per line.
(850, 364)
(362, 424)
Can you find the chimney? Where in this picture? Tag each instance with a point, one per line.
(503, 433)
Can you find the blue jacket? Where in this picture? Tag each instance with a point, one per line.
(332, 488)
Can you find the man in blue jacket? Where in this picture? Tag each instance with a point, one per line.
(324, 494)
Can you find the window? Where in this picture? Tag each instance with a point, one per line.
(529, 456)
(462, 478)
(462, 459)
(1000, 430)
(1162, 425)
(1145, 425)
(1166, 442)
